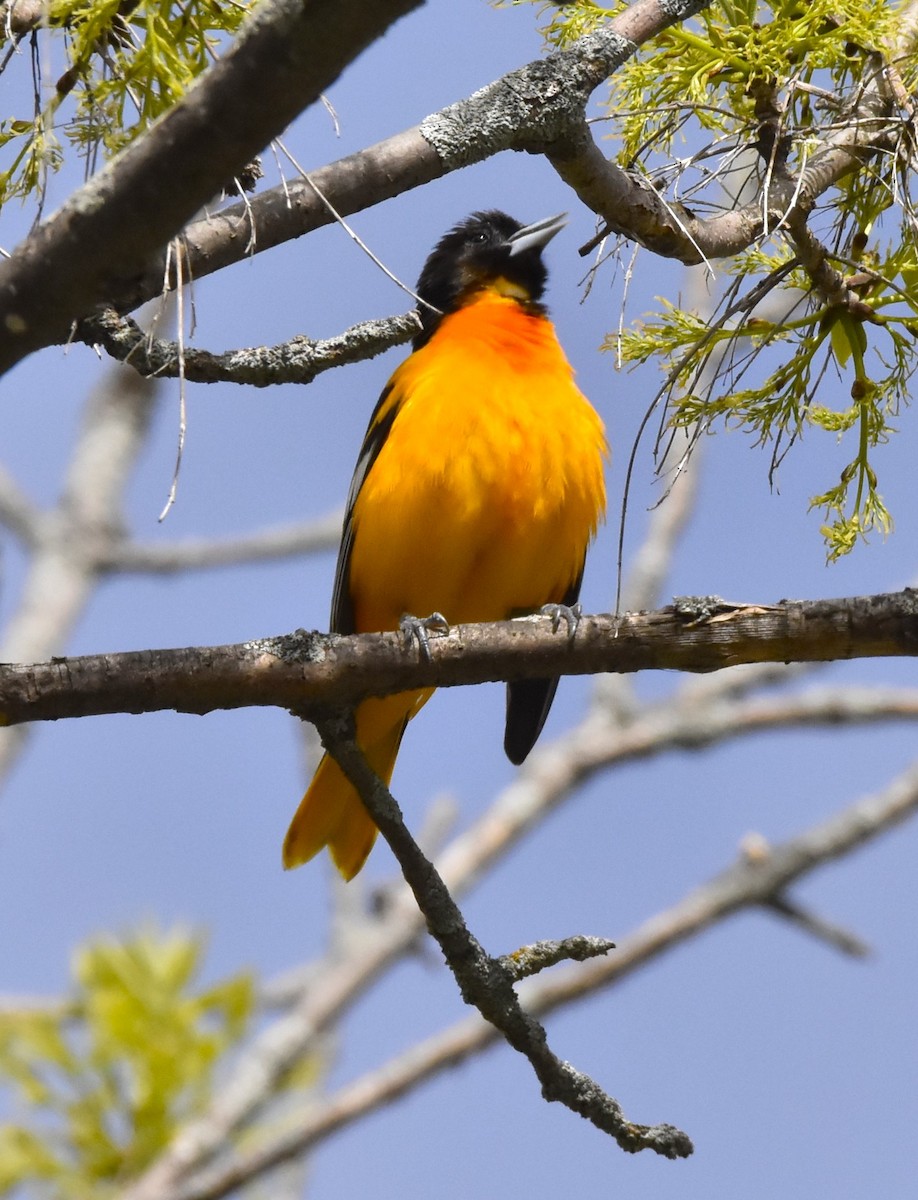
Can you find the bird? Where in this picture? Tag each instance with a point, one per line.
(478, 488)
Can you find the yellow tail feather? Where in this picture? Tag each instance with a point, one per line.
(331, 813)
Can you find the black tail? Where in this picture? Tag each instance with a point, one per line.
(528, 702)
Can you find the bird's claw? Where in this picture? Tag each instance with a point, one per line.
(570, 614)
(418, 629)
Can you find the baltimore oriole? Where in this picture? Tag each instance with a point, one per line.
(477, 489)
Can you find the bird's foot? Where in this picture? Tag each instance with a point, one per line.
(570, 614)
(419, 629)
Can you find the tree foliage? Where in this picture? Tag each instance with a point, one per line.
(814, 334)
(106, 1079)
(717, 106)
(126, 64)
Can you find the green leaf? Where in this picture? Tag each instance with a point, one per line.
(841, 341)
(108, 1079)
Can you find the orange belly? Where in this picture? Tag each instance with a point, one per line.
(480, 504)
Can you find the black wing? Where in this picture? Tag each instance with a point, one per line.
(342, 609)
(529, 701)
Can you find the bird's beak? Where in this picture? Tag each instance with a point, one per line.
(536, 236)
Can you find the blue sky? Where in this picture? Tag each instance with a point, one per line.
(792, 1068)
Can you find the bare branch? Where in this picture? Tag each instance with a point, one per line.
(300, 360)
(199, 554)
(483, 981)
(325, 991)
(524, 110)
(825, 931)
(17, 512)
(72, 540)
(100, 241)
(336, 984)
(750, 883)
(314, 674)
(530, 960)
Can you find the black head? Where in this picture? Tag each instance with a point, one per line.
(487, 249)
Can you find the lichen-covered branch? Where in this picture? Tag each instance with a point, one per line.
(314, 673)
(300, 360)
(631, 207)
(105, 246)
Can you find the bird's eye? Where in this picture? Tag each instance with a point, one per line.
(481, 237)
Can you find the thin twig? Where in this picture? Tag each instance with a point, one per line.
(199, 554)
(482, 979)
(177, 250)
(750, 883)
(530, 960)
(353, 235)
(818, 927)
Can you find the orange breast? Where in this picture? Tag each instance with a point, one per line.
(490, 483)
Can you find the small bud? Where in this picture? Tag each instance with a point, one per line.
(860, 389)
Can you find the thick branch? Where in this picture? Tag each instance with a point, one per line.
(525, 110)
(314, 673)
(633, 208)
(96, 250)
(99, 243)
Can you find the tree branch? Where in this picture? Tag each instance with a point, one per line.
(201, 554)
(17, 512)
(698, 714)
(483, 980)
(99, 242)
(752, 882)
(632, 207)
(314, 673)
(530, 960)
(527, 109)
(818, 927)
(300, 360)
(95, 250)
(69, 542)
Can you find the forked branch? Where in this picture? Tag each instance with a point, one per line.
(484, 981)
